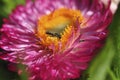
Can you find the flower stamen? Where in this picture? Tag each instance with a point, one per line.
(56, 27)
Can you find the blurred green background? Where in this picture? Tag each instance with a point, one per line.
(105, 66)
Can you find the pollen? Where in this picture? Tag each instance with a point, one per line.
(56, 27)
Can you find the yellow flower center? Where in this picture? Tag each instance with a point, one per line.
(55, 28)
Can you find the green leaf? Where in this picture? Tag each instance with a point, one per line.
(115, 31)
(100, 67)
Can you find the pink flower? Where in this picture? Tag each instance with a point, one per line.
(55, 39)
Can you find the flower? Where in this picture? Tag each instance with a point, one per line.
(55, 39)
